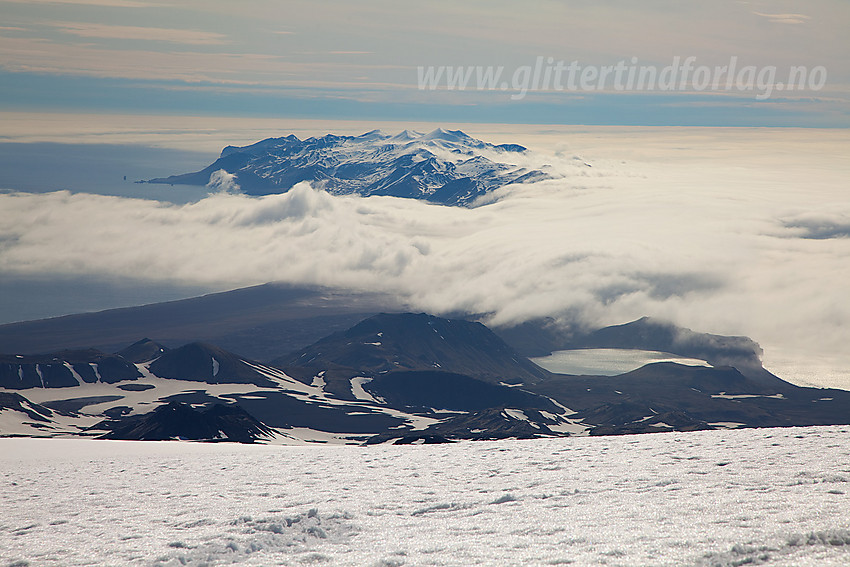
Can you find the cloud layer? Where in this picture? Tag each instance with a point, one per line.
(711, 244)
(784, 18)
(189, 37)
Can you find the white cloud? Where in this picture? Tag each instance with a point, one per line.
(222, 182)
(705, 234)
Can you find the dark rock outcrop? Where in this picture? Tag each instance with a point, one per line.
(177, 420)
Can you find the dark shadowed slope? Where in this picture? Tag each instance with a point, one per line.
(176, 420)
(408, 341)
(259, 322)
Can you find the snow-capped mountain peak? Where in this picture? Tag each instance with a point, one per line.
(443, 166)
(406, 135)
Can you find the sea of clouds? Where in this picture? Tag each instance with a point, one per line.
(735, 242)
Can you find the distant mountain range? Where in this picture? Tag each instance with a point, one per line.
(443, 166)
(261, 322)
(402, 378)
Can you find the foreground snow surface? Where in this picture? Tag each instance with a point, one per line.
(768, 496)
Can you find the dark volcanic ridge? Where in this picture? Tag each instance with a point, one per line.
(409, 341)
(403, 378)
(260, 322)
(177, 420)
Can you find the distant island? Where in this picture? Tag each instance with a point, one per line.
(443, 166)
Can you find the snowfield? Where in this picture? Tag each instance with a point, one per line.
(757, 496)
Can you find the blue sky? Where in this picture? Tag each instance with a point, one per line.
(359, 60)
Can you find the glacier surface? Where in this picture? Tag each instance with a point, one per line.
(760, 496)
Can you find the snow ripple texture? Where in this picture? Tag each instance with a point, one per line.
(716, 498)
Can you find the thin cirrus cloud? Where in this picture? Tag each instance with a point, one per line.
(346, 58)
(170, 35)
(44, 56)
(784, 18)
(104, 3)
(51, 56)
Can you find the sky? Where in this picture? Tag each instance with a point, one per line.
(337, 59)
